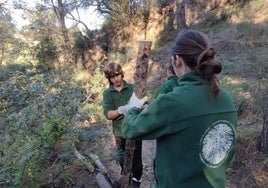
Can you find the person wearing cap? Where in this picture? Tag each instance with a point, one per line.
(194, 125)
(117, 100)
(170, 83)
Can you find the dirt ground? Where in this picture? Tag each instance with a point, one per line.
(249, 169)
(104, 148)
(148, 152)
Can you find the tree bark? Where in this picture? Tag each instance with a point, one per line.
(2, 55)
(140, 79)
(60, 13)
(261, 99)
(264, 133)
(181, 20)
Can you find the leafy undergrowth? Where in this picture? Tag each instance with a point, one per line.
(43, 115)
(249, 169)
(38, 139)
(39, 114)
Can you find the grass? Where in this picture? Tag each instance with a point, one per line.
(241, 43)
(245, 77)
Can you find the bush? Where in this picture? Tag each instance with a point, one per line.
(45, 52)
(37, 110)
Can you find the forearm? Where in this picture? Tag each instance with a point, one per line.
(112, 114)
(146, 125)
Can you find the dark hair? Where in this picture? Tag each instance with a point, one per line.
(171, 69)
(192, 46)
(112, 70)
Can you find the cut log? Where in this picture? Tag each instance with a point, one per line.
(128, 158)
(140, 79)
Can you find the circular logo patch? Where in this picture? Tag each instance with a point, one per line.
(216, 143)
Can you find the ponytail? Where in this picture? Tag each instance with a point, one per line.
(192, 47)
(207, 67)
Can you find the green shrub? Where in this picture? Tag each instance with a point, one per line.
(45, 52)
(36, 115)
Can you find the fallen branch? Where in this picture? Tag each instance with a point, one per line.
(97, 162)
(102, 178)
(87, 164)
(101, 181)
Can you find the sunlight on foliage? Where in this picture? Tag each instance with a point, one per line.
(37, 111)
(48, 107)
(81, 76)
(236, 86)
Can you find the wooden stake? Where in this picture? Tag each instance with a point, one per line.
(140, 79)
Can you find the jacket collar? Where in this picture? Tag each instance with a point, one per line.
(125, 85)
(191, 77)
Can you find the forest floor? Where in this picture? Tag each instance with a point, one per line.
(79, 176)
(148, 150)
(249, 169)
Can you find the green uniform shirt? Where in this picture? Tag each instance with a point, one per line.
(169, 85)
(112, 99)
(195, 134)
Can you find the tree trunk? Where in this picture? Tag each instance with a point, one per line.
(2, 55)
(264, 133)
(60, 12)
(140, 78)
(181, 20)
(261, 99)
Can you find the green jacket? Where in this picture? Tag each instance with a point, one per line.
(195, 134)
(112, 99)
(169, 85)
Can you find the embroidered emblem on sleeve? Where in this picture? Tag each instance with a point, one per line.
(216, 143)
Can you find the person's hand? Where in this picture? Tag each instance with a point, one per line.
(135, 102)
(123, 109)
(144, 106)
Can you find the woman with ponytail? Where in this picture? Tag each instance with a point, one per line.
(194, 125)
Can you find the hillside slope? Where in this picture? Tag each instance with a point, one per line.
(240, 37)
